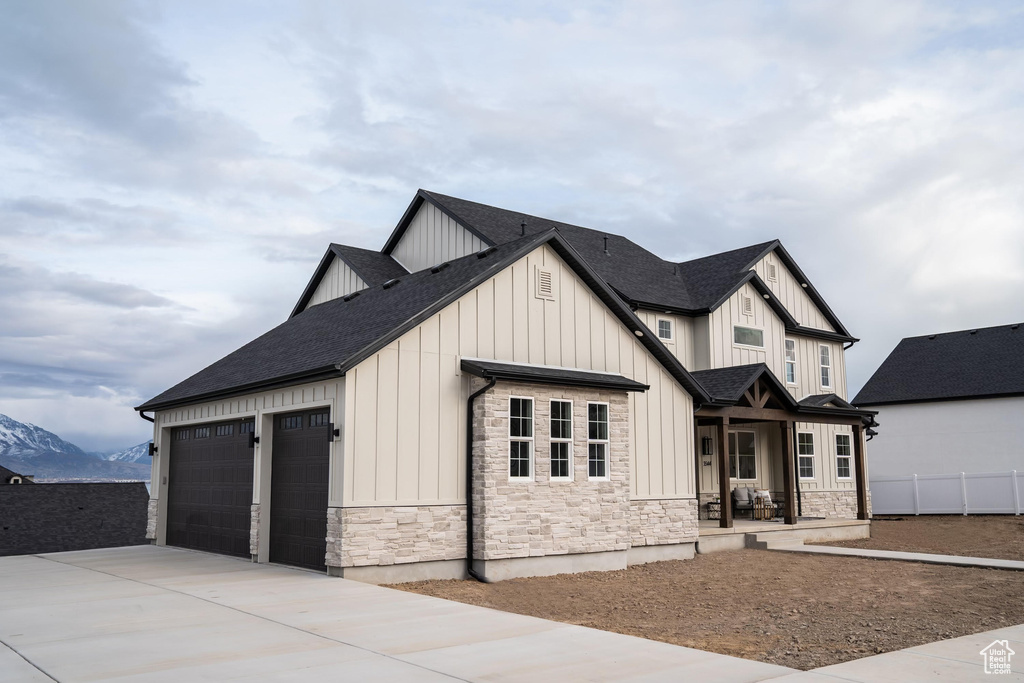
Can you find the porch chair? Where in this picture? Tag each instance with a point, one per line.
(743, 500)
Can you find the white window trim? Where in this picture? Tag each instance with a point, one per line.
(743, 431)
(813, 455)
(748, 346)
(848, 457)
(830, 366)
(529, 439)
(607, 443)
(785, 362)
(671, 329)
(551, 439)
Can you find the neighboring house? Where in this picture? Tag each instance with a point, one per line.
(48, 518)
(11, 477)
(561, 392)
(949, 403)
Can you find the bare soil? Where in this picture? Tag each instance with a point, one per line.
(801, 611)
(995, 536)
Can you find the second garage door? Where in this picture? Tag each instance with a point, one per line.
(298, 498)
(210, 487)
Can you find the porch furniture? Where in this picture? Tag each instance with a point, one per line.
(764, 508)
(714, 508)
(743, 500)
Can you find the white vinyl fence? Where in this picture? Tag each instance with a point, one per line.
(945, 494)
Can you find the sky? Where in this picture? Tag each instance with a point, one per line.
(172, 172)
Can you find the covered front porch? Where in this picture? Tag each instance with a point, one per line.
(806, 457)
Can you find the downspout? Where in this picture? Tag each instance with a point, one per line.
(469, 480)
(796, 472)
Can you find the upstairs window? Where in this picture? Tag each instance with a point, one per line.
(561, 440)
(748, 336)
(805, 454)
(825, 358)
(597, 440)
(520, 435)
(664, 329)
(844, 456)
(790, 361)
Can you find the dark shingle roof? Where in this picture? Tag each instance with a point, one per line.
(325, 340)
(728, 384)
(544, 374)
(373, 267)
(822, 400)
(955, 365)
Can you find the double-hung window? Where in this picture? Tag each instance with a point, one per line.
(520, 437)
(790, 361)
(742, 455)
(844, 456)
(664, 329)
(561, 440)
(597, 440)
(825, 357)
(805, 454)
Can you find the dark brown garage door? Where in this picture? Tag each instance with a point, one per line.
(298, 498)
(210, 487)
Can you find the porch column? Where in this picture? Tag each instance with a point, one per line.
(788, 475)
(860, 472)
(724, 484)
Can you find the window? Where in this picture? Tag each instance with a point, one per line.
(225, 430)
(520, 434)
(748, 336)
(202, 432)
(181, 434)
(561, 440)
(664, 329)
(805, 453)
(293, 422)
(319, 419)
(825, 356)
(597, 440)
(247, 428)
(742, 455)
(844, 456)
(790, 361)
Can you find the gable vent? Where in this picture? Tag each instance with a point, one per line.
(545, 285)
(773, 273)
(747, 305)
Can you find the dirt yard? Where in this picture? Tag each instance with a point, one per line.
(800, 611)
(996, 536)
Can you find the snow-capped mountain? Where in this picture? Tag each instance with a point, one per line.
(28, 449)
(134, 454)
(25, 440)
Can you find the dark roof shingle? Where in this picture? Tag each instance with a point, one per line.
(955, 365)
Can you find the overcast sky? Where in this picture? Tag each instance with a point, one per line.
(173, 171)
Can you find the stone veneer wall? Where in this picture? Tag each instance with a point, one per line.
(541, 517)
(151, 516)
(659, 522)
(831, 504)
(254, 529)
(381, 536)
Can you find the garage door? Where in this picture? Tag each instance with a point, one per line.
(298, 498)
(210, 487)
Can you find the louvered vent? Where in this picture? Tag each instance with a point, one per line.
(545, 285)
(773, 273)
(748, 305)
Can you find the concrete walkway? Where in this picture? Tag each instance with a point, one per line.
(160, 614)
(927, 558)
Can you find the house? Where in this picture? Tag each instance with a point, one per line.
(11, 477)
(951, 402)
(537, 396)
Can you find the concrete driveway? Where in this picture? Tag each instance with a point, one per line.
(160, 614)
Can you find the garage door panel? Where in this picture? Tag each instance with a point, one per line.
(298, 507)
(210, 488)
